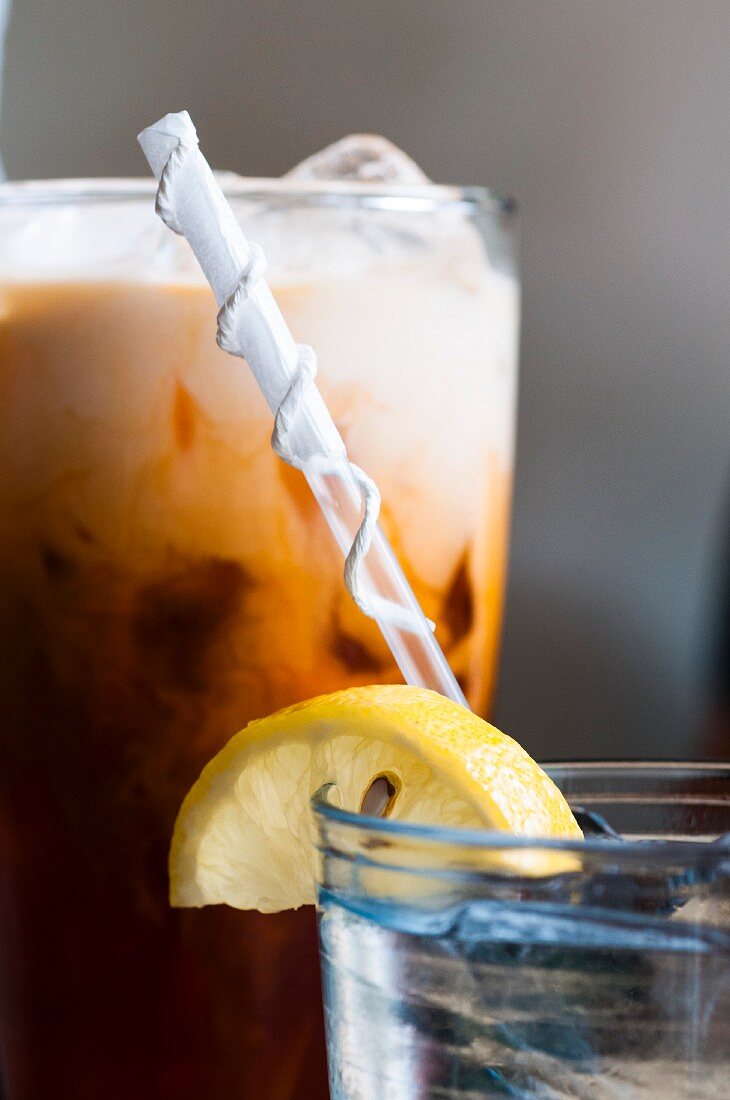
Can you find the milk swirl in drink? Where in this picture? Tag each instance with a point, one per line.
(164, 578)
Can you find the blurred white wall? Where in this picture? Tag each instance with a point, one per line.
(608, 119)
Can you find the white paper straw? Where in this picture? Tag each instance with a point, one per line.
(191, 202)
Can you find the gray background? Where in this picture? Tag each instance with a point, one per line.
(609, 121)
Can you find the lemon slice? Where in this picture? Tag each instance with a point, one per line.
(243, 835)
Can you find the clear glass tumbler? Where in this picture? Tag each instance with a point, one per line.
(164, 579)
(449, 972)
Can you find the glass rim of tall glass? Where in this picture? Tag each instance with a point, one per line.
(405, 198)
(376, 837)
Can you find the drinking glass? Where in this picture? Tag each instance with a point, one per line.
(468, 964)
(164, 579)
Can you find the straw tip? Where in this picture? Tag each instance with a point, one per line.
(171, 130)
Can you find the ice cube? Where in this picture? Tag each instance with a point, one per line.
(340, 240)
(365, 158)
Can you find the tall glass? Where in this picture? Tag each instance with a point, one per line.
(164, 579)
(461, 964)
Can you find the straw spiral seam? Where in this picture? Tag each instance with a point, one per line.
(374, 606)
(290, 406)
(284, 421)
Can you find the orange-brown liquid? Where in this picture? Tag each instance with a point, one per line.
(163, 580)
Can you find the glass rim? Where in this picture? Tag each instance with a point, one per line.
(437, 836)
(410, 198)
